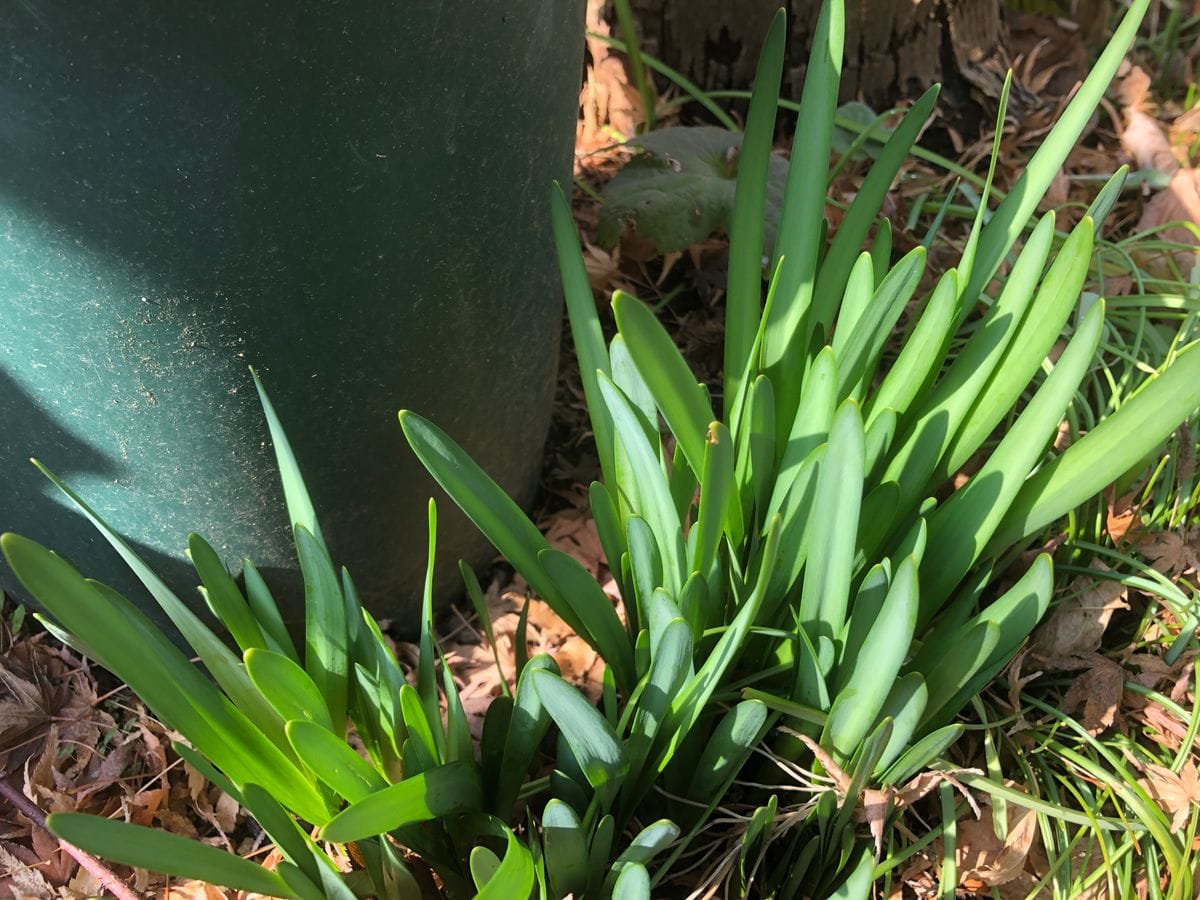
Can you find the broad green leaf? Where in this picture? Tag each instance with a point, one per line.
(513, 878)
(679, 397)
(586, 334)
(857, 884)
(1010, 217)
(796, 314)
(797, 526)
(716, 496)
(600, 850)
(566, 850)
(754, 466)
(484, 864)
(497, 721)
(875, 519)
(727, 749)
(445, 790)
(589, 735)
(962, 526)
(911, 375)
(733, 410)
(831, 547)
(611, 533)
(174, 690)
(810, 427)
(223, 594)
(299, 504)
(931, 432)
(881, 246)
(861, 690)
(648, 843)
(221, 663)
(753, 843)
(1103, 203)
(869, 197)
(287, 687)
(661, 611)
(161, 851)
(670, 666)
(904, 706)
(681, 187)
(528, 726)
(872, 591)
(744, 292)
(1018, 611)
(595, 610)
(647, 493)
(266, 612)
(859, 357)
(488, 506)
(860, 287)
(697, 604)
(879, 437)
(690, 702)
(1035, 337)
(458, 730)
(333, 761)
(326, 638)
(626, 376)
(632, 884)
(645, 563)
(294, 843)
(957, 664)
(1015, 615)
(1106, 452)
(921, 754)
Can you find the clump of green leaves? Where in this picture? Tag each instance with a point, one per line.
(797, 559)
(268, 724)
(803, 555)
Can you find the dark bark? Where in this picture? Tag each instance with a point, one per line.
(894, 48)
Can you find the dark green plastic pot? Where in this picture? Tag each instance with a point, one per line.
(351, 197)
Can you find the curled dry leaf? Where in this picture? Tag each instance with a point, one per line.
(1122, 517)
(1077, 624)
(986, 860)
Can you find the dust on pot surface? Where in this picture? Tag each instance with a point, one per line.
(350, 197)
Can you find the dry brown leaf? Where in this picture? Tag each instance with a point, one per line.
(21, 879)
(1146, 140)
(1173, 553)
(984, 859)
(1077, 624)
(1098, 690)
(1177, 793)
(1143, 138)
(1122, 516)
(573, 532)
(1163, 727)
